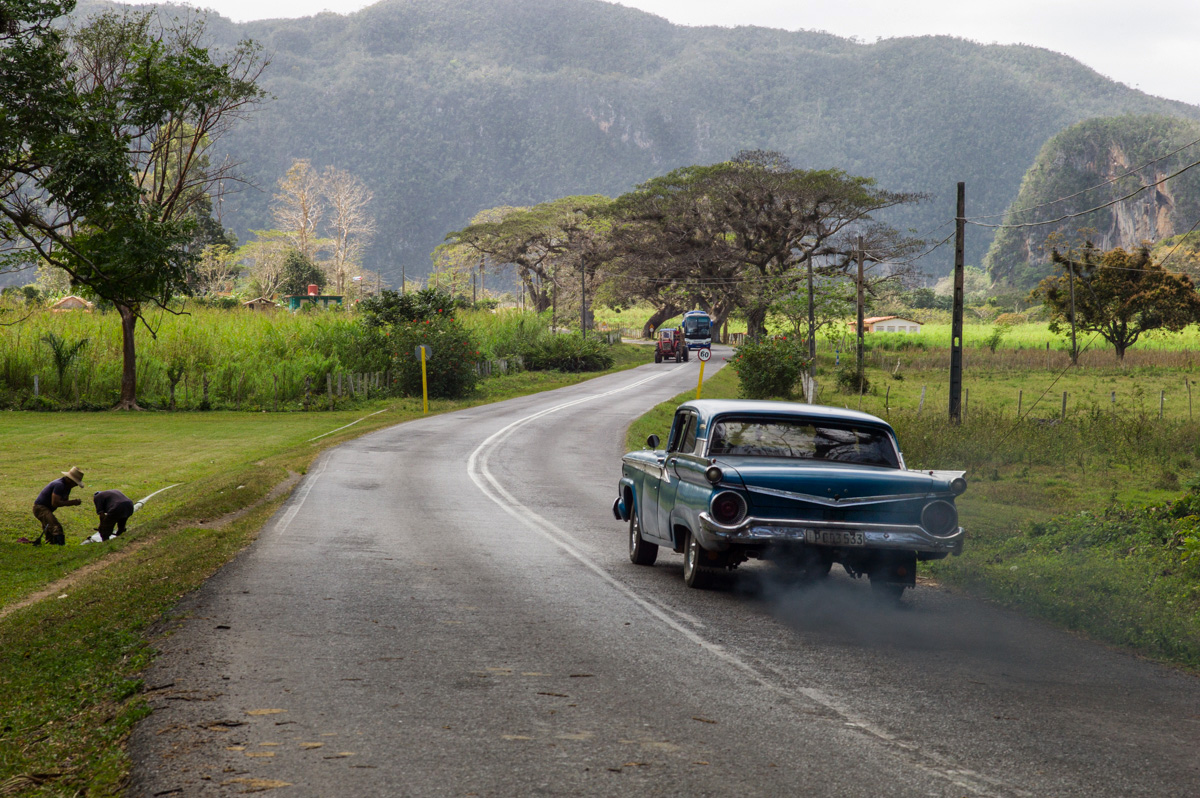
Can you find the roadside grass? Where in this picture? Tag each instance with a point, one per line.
(70, 662)
(1036, 490)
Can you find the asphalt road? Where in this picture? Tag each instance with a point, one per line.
(447, 608)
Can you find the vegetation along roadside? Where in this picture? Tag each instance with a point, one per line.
(1091, 521)
(70, 663)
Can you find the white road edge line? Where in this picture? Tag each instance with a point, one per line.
(477, 469)
(292, 512)
(351, 424)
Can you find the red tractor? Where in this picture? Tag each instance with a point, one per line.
(670, 346)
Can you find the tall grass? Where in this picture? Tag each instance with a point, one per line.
(250, 360)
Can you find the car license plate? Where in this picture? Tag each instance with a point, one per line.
(834, 537)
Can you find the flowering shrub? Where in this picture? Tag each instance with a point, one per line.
(768, 368)
(450, 367)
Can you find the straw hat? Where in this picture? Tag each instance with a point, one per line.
(75, 475)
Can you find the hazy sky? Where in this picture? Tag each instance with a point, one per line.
(1154, 47)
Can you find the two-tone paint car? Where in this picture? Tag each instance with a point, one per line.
(805, 485)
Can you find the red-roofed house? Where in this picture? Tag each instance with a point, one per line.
(888, 324)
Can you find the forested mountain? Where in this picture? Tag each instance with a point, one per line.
(446, 107)
(1090, 165)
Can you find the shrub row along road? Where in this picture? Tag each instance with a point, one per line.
(447, 608)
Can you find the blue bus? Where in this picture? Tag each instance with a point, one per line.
(697, 329)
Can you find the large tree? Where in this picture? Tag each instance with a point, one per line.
(108, 159)
(543, 243)
(748, 230)
(1120, 295)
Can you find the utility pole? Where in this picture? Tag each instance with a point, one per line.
(402, 279)
(859, 325)
(1071, 282)
(474, 298)
(956, 325)
(582, 298)
(812, 320)
(482, 291)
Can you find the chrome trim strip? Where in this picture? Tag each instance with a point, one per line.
(835, 502)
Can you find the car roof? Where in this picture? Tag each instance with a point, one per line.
(708, 408)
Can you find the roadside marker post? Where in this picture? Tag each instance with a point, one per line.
(704, 355)
(423, 352)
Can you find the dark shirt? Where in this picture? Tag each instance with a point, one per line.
(61, 486)
(114, 503)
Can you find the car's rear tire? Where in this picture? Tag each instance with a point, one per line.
(640, 552)
(887, 592)
(695, 574)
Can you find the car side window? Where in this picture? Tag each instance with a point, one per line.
(685, 425)
(689, 436)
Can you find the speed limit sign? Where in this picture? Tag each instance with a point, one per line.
(704, 354)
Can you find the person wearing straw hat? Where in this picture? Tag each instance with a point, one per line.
(56, 494)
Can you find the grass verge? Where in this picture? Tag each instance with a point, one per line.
(70, 663)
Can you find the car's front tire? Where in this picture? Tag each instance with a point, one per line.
(695, 574)
(640, 552)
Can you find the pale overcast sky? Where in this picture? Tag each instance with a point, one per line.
(1153, 47)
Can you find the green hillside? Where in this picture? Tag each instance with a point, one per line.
(1091, 164)
(446, 107)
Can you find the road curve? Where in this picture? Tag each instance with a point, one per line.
(447, 607)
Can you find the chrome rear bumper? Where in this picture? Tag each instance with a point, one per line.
(765, 531)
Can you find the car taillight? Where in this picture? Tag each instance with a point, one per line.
(939, 518)
(728, 508)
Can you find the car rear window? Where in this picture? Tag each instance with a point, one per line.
(802, 439)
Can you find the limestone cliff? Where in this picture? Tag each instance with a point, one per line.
(1083, 169)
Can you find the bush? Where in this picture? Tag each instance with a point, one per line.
(571, 353)
(450, 368)
(851, 380)
(768, 368)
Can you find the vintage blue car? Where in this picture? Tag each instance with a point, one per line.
(804, 485)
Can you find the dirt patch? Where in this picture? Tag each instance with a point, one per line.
(282, 489)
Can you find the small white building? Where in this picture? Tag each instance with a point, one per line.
(888, 324)
(72, 303)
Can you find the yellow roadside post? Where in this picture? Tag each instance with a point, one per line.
(423, 352)
(704, 355)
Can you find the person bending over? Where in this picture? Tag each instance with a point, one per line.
(114, 509)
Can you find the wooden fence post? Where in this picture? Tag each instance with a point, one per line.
(966, 400)
(921, 404)
(1063, 416)
(329, 387)
(1020, 397)
(1162, 396)
(35, 385)
(887, 411)
(275, 378)
(1188, 385)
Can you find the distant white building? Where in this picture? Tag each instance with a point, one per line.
(888, 324)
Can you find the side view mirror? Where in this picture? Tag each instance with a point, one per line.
(653, 441)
